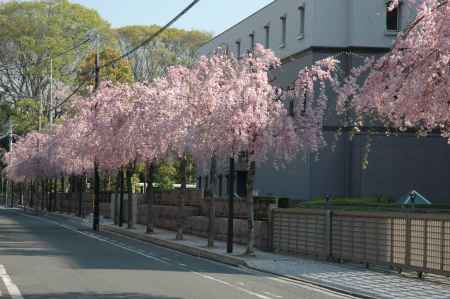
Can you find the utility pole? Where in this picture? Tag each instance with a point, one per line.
(96, 216)
(51, 93)
(230, 233)
(10, 133)
(40, 112)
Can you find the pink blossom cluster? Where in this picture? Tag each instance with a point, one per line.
(221, 106)
(410, 86)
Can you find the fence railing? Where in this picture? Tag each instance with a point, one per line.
(418, 242)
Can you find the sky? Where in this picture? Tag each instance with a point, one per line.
(213, 16)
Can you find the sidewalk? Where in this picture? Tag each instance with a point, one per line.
(344, 278)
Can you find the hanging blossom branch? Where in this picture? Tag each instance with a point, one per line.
(409, 87)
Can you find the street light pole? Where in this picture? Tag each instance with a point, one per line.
(96, 216)
(230, 233)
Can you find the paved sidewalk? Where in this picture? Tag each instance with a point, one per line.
(352, 280)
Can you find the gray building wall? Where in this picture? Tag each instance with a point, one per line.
(334, 28)
(328, 23)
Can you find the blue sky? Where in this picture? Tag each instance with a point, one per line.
(213, 16)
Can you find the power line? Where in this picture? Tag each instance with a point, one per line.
(150, 38)
(60, 54)
(128, 53)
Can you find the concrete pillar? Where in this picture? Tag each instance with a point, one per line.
(328, 234)
(112, 209)
(135, 209)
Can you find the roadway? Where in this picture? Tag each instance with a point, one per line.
(53, 257)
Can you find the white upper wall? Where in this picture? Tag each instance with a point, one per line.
(328, 23)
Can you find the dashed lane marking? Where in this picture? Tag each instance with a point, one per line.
(273, 295)
(91, 235)
(258, 295)
(11, 287)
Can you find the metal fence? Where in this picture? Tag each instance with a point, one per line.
(300, 232)
(419, 242)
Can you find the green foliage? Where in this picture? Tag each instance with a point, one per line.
(173, 46)
(25, 116)
(265, 199)
(283, 203)
(352, 201)
(30, 33)
(35, 30)
(188, 39)
(119, 72)
(166, 176)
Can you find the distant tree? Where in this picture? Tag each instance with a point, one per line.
(119, 72)
(25, 116)
(172, 47)
(33, 31)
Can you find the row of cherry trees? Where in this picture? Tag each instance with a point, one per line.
(214, 110)
(221, 107)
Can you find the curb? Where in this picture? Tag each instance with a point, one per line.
(229, 260)
(318, 284)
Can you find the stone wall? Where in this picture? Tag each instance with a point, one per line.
(197, 224)
(165, 212)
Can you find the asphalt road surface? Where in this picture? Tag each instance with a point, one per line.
(52, 257)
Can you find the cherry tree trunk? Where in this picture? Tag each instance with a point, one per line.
(121, 197)
(116, 199)
(63, 185)
(182, 194)
(80, 189)
(130, 196)
(31, 204)
(96, 218)
(250, 209)
(149, 194)
(42, 195)
(49, 194)
(212, 202)
(55, 193)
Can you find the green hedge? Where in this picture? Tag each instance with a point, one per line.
(371, 204)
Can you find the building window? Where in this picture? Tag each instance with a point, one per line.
(283, 31)
(291, 110)
(267, 31)
(252, 41)
(238, 49)
(392, 18)
(301, 29)
(241, 183)
(199, 183)
(220, 185)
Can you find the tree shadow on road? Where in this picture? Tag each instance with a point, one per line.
(29, 237)
(77, 295)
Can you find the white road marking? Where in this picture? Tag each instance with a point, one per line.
(24, 248)
(164, 260)
(273, 295)
(100, 239)
(13, 290)
(261, 296)
(249, 292)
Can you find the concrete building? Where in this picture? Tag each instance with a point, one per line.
(301, 32)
